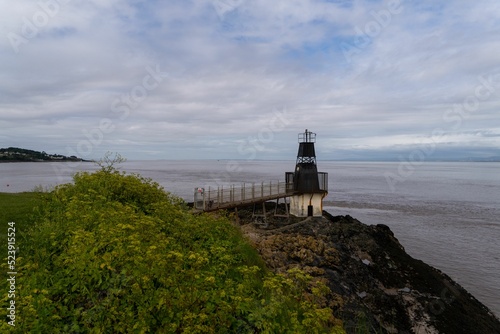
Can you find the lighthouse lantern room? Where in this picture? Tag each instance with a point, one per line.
(309, 185)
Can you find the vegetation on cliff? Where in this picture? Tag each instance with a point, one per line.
(15, 154)
(116, 253)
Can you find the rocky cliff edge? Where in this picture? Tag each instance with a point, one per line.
(376, 286)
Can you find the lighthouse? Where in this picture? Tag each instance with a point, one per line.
(309, 185)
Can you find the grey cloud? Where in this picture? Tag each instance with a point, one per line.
(229, 73)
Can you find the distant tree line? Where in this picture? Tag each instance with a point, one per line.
(13, 154)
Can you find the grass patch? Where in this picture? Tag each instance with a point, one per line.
(18, 208)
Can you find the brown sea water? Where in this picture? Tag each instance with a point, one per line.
(446, 214)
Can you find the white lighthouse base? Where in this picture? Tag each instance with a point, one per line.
(299, 205)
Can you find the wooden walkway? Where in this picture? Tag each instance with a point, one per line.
(245, 194)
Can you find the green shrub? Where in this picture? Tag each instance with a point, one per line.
(115, 253)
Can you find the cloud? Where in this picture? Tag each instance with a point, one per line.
(362, 74)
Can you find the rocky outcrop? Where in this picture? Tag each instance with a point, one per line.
(376, 286)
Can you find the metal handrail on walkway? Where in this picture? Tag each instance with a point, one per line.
(233, 196)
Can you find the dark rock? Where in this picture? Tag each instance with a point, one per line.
(381, 286)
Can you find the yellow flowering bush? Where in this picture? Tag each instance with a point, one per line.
(115, 253)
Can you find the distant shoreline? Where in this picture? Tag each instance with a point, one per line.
(16, 154)
(17, 161)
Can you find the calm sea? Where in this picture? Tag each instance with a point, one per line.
(446, 214)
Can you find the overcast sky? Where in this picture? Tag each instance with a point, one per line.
(239, 79)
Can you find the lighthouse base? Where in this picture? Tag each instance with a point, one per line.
(307, 205)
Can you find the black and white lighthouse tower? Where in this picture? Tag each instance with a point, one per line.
(309, 185)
